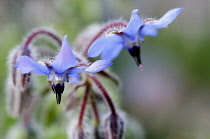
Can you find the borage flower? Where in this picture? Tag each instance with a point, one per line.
(131, 37)
(59, 70)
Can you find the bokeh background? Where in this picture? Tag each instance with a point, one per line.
(170, 98)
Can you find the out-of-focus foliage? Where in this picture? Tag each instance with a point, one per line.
(170, 98)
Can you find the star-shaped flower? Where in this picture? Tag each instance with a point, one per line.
(131, 36)
(59, 70)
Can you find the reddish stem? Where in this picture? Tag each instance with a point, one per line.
(14, 69)
(94, 109)
(111, 76)
(113, 24)
(105, 94)
(84, 102)
(40, 32)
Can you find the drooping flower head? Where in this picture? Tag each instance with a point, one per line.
(59, 70)
(131, 37)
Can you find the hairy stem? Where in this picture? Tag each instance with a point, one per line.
(105, 94)
(83, 106)
(38, 32)
(112, 24)
(94, 110)
(14, 69)
(111, 76)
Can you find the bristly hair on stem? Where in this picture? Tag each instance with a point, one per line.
(49, 33)
(105, 94)
(83, 105)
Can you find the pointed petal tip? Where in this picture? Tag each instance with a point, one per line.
(65, 36)
(178, 10)
(65, 58)
(64, 40)
(167, 18)
(135, 11)
(141, 67)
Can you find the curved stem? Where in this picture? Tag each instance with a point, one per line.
(111, 76)
(94, 109)
(84, 102)
(96, 116)
(105, 94)
(113, 24)
(34, 34)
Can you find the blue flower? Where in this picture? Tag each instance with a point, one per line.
(131, 37)
(59, 70)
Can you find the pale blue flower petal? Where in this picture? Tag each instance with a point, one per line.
(101, 44)
(111, 51)
(167, 18)
(133, 14)
(26, 65)
(65, 58)
(133, 26)
(148, 30)
(74, 78)
(98, 65)
(74, 71)
(97, 47)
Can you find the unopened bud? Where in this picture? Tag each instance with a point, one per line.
(19, 131)
(78, 133)
(114, 127)
(18, 86)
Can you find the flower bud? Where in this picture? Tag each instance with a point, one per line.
(18, 86)
(77, 132)
(19, 131)
(114, 127)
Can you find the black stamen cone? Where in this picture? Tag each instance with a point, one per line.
(58, 90)
(135, 52)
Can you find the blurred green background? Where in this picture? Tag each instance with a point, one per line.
(170, 97)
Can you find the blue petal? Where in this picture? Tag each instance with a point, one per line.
(133, 14)
(65, 58)
(74, 78)
(167, 18)
(26, 65)
(107, 47)
(74, 71)
(98, 46)
(133, 26)
(113, 48)
(98, 65)
(148, 30)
